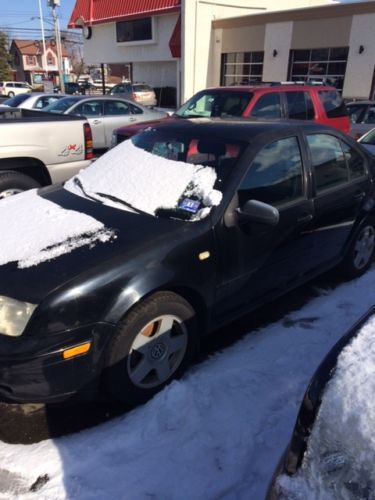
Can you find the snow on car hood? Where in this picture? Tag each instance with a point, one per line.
(34, 230)
(147, 182)
(339, 461)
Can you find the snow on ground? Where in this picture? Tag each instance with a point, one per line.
(217, 433)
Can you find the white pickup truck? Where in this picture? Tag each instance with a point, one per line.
(37, 149)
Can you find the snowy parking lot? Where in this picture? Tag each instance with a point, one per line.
(217, 433)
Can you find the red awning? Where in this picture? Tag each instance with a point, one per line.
(175, 41)
(104, 11)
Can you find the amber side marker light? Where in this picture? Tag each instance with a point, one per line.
(76, 351)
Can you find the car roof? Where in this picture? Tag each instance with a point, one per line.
(269, 86)
(356, 103)
(238, 128)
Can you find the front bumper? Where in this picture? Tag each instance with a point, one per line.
(33, 370)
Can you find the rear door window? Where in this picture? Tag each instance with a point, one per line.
(333, 104)
(115, 108)
(267, 106)
(355, 161)
(300, 106)
(328, 161)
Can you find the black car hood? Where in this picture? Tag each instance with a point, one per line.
(132, 234)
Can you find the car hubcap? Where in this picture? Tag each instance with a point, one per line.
(9, 192)
(157, 351)
(364, 247)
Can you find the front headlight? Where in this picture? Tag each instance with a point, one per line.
(14, 316)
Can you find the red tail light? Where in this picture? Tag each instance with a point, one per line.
(134, 96)
(89, 153)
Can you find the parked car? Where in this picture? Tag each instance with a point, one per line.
(14, 88)
(70, 88)
(368, 141)
(109, 282)
(139, 92)
(38, 149)
(87, 87)
(320, 104)
(34, 100)
(362, 117)
(104, 113)
(332, 451)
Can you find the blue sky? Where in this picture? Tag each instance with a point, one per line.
(16, 15)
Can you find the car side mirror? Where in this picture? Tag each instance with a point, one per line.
(257, 211)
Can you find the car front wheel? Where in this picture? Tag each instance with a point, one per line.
(13, 183)
(154, 344)
(361, 251)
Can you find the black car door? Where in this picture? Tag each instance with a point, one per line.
(255, 259)
(341, 185)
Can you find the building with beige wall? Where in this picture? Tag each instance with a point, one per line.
(331, 43)
(193, 44)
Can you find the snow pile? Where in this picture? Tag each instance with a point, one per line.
(339, 462)
(146, 181)
(217, 433)
(34, 230)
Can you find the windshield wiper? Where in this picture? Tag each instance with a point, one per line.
(78, 183)
(122, 202)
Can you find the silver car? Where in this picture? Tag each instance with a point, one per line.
(362, 117)
(139, 92)
(35, 100)
(105, 114)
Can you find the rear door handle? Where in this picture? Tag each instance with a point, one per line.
(132, 119)
(359, 196)
(97, 122)
(305, 218)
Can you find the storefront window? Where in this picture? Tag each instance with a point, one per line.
(241, 68)
(326, 66)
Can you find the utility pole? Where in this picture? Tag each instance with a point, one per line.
(53, 4)
(44, 58)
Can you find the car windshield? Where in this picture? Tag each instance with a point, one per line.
(175, 176)
(216, 103)
(340, 456)
(369, 138)
(16, 100)
(61, 105)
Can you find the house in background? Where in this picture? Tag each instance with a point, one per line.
(27, 56)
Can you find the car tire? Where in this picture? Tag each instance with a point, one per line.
(10, 94)
(13, 183)
(360, 254)
(137, 368)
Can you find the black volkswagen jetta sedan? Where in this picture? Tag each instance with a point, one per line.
(108, 283)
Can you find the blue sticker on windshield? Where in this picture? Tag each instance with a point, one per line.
(189, 205)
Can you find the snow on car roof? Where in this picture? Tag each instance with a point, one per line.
(339, 461)
(41, 230)
(146, 181)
